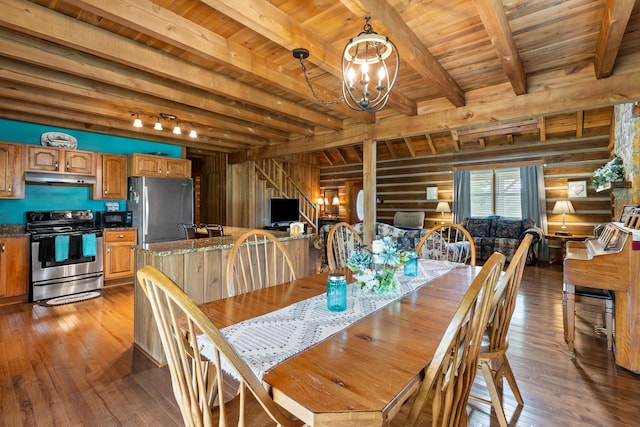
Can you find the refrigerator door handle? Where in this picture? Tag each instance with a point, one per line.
(145, 212)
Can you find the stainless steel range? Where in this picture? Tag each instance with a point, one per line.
(66, 253)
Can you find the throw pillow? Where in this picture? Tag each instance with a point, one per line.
(478, 227)
(508, 228)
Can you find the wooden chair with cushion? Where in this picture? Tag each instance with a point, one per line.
(342, 240)
(258, 260)
(493, 353)
(448, 378)
(447, 242)
(197, 382)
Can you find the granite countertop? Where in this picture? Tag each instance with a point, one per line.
(13, 230)
(207, 244)
(118, 229)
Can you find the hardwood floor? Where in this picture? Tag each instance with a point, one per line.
(75, 365)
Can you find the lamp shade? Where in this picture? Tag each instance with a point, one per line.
(320, 201)
(443, 207)
(563, 207)
(335, 201)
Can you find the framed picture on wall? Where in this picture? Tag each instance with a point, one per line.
(577, 189)
(432, 193)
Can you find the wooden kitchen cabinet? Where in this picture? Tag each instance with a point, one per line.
(118, 253)
(11, 170)
(159, 166)
(111, 183)
(14, 266)
(50, 159)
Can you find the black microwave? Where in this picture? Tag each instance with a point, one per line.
(114, 219)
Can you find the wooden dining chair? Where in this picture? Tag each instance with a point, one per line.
(198, 382)
(493, 353)
(450, 374)
(447, 242)
(257, 260)
(342, 240)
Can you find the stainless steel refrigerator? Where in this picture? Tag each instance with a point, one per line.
(158, 206)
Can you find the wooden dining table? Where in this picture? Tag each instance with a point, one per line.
(361, 375)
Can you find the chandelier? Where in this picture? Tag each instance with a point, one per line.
(370, 65)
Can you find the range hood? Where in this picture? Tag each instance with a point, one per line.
(58, 178)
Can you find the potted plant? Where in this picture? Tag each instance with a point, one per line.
(613, 171)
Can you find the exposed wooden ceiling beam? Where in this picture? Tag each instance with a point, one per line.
(615, 89)
(542, 127)
(455, 140)
(34, 90)
(410, 146)
(412, 49)
(392, 151)
(269, 21)
(327, 158)
(358, 151)
(614, 23)
(434, 151)
(151, 20)
(61, 29)
(53, 57)
(475, 133)
(341, 156)
(495, 22)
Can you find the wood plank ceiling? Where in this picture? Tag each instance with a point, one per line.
(225, 67)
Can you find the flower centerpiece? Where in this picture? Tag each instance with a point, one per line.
(375, 269)
(613, 171)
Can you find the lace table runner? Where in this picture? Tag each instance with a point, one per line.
(265, 341)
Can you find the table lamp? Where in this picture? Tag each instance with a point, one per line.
(443, 207)
(321, 205)
(563, 207)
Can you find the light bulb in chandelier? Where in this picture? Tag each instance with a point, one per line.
(193, 133)
(158, 125)
(177, 130)
(137, 123)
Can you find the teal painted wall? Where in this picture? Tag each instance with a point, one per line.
(56, 197)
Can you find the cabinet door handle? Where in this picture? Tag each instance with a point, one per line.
(160, 171)
(9, 189)
(167, 173)
(106, 191)
(121, 236)
(67, 165)
(108, 250)
(56, 165)
(3, 247)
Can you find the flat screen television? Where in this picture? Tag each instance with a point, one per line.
(284, 210)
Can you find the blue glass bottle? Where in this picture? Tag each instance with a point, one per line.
(411, 266)
(337, 292)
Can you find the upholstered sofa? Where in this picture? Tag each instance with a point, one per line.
(501, 234)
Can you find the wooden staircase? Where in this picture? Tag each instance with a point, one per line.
(272, 171)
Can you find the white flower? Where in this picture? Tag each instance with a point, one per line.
(377, 246)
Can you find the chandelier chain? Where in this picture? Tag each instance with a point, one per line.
(313, 92)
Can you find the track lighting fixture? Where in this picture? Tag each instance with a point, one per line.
(176, 129)
(137, 123)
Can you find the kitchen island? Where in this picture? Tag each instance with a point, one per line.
(198, 266)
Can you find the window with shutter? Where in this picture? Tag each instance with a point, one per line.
(496, 192)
